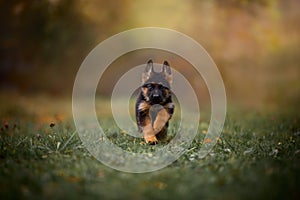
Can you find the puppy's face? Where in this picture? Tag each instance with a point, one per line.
(156, 85)
(155, 93)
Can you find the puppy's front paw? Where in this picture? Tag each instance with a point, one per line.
(151, 140)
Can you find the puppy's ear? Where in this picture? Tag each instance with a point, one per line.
(148, 71)
(167, 72)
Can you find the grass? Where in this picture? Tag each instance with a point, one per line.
(256, 157)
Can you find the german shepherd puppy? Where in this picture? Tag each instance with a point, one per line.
(154, 107)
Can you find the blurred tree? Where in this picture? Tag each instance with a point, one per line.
(43, 42)
(254, 42)
(32, 33)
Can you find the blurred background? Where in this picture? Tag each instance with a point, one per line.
(255, 44)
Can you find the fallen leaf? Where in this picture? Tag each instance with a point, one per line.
(208, 140)
(160, 185)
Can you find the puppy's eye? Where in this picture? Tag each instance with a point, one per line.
(150, 87)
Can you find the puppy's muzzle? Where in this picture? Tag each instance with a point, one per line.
(156, 98)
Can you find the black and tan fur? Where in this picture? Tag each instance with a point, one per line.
(154, 106)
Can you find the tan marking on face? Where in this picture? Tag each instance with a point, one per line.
(167, 92)
(145, 91)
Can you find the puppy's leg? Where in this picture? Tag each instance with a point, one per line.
(149, 134)
(162, 135)
(160, 121)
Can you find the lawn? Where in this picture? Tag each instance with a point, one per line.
(256, 157)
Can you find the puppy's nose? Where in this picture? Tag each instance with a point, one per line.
(155, 95)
